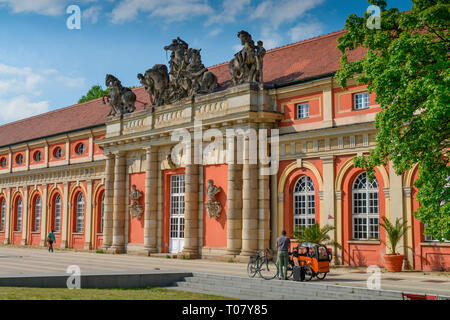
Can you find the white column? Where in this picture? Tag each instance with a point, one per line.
(8, 217)
(396, 202)
(25, 219)
(108, 204)
(88, 221)
(118, 245)
(151, 200)
(65, 219)
(44, 208)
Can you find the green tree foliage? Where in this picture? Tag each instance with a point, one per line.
(407, 67)
(95, 92)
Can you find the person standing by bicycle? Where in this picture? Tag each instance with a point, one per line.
(283, 245)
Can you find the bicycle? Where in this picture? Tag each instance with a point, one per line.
(263, 265)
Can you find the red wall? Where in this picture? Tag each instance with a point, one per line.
(135, 226)
(315, 101)
(343, 103)
(215, 231)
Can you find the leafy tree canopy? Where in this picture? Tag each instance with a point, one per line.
(95, 92)
(407, 67)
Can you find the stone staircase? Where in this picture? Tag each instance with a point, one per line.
(260, 289)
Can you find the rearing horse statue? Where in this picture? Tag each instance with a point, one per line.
(120, 99)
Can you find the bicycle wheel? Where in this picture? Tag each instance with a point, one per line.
(290, 269)
(308, 273)
(268, 270)
(251, 268)
(321, 275)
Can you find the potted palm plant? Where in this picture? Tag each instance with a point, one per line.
(394, 232)
(315, 234)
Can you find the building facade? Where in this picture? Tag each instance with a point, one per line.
(113, 183)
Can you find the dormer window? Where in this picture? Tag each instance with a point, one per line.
(303, 110)
(361, 101)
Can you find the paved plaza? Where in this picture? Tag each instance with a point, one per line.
(31, 261)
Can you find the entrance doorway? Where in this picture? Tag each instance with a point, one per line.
(177, 189)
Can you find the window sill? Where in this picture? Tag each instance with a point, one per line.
(435, 244)
(370, 242)
(366, 108)
(35, 232)
(77, 233)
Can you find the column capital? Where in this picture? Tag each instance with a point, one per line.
(327, 159)
(407, 192)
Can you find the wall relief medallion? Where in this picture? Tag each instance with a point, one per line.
(135, 208)
(213, 206)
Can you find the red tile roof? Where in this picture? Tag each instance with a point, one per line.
(297, 61)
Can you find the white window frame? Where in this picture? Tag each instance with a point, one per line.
(304, 203)
(3, 162)
(37, 214)
(303, 110)
(2, 215)
(177, 206)
(102, 212)
(19, 212)
(57, 213)
(79, 221)
(361, 100)
(365, 209)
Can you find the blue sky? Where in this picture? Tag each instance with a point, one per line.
(45, 66)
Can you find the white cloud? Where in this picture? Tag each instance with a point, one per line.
(230, 10)
(270, 37)
(43, 7)
(277, 12)
(172, 10)
(306, 30)
(20, 88)
(20, 108)
(215, 32)
(91, 14)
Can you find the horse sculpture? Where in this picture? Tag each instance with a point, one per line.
(121, 99)
(156, 83)
(246, 66)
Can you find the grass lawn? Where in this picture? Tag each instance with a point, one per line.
(21, 293)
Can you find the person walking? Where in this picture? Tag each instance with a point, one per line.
(283, 245)
(51, 239)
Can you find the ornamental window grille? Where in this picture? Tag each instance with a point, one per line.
(2, 215)
(37, 214)
(102, 213)
(19, 215)
(57, 222)
(304, 203)
(365, 208)
(80, 214)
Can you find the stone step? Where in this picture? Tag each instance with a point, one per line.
(289, 286)
(252, 294)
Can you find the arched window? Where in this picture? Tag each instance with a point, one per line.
(80, 214)
(19, 215)
(365, 208)
(37, 214)
(57, 222)
(2, 215)
(102, 212)
(304, 203)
